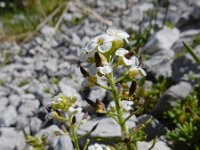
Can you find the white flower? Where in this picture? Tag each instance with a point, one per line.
(105, 69)
(118, 33)
(103, 43)
(56, 100)
(127, 105)
(135, 70)
(121, 52)
(111, 106)
(74, 110)
(97, 146)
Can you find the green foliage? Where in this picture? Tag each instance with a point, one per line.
(36, 143)
(23, 83)
(20, 16)
(196, 41)
(185, 116)
(149, 97)
(2, 83)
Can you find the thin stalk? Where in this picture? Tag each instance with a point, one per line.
(103, 87)
(191, 51)
(74, 137)
(117, 104)
(121, 78)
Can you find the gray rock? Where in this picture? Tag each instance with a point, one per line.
(185, 65)
(107, 127)
(70, 91)
(29, 107)
(163, 39)
(154, 128)
(160, 63)
(51, 66)
(4, 91)
(160, 145)
(14, 100)
(64, 143)
(3, 102)
(175, 93)
(97, 93)
(22, 121)
(49, 132)
(47, 31)
(35, 124)
(8, 116)
(11, 139)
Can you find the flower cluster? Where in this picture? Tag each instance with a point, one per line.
(97, 146)
(125, 105)
(64, 104)
(102, 53)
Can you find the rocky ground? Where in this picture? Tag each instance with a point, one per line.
(34, 72)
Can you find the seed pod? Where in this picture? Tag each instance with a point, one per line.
(90, 102)
(100, 107)
(129, 55)
(84, 72)
(74, 120)
(132, 88)
(94, 128)
(98, 60)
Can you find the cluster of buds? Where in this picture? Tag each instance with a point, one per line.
(105, 53)
(60, 104)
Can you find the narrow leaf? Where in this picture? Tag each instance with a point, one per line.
(132, 88)
(192, 53)
(90, 102)
(84, 72)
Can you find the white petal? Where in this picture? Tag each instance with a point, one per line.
(133, 68)
(111, 31)
(135, 61)
(93, 70)
(105, 70)
(107, 38)
(83, 56)
(142, 71)
(91, 46)
(123, 34)
(105, 47)
(121, 52)
(85, 82)
(71, 109)
(127, 61)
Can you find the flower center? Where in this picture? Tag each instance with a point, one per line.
(100, 41)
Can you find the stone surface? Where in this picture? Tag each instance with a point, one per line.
(163, 39)
(8, 116)
(11, 139)
(160, 145)
(154, 128)
(175, 93)
(64, 143)
(160, 63)
(107, 127)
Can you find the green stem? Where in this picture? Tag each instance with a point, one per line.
(103, 87)
(121, 78)
(117, 104)
(191, 51)
(74, 137)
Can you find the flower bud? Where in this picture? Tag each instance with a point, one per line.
(133, 72)
(132, 88)
(98, 60)
(84, 72)
(100, 107)
(74, 120)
